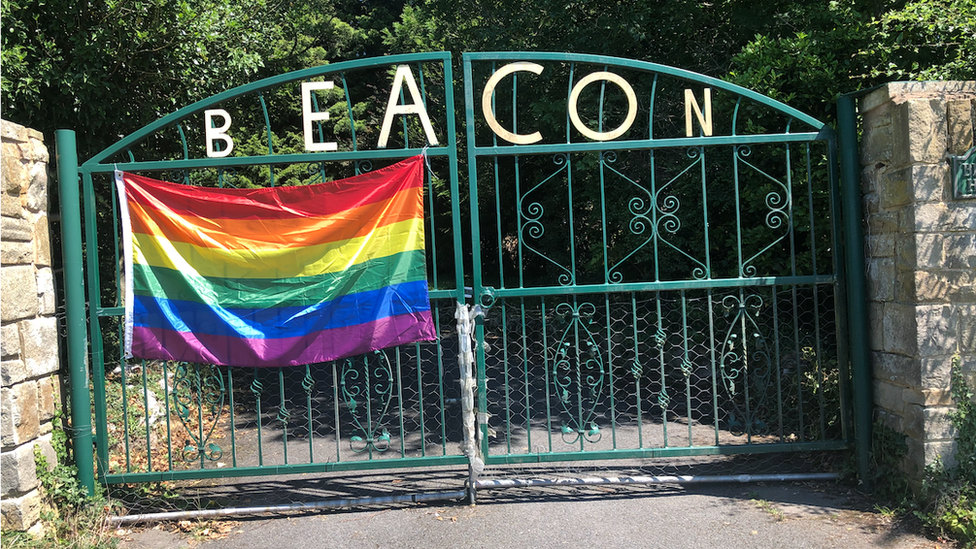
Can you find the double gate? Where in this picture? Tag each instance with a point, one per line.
(648, 259)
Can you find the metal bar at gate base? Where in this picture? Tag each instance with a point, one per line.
(327, 504)
(74, 295)
(860, 354)
(489, 484)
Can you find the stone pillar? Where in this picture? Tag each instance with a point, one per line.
(30, 361)
(921, 258)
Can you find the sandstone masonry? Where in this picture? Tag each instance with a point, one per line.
(921, 257)
(30, 363)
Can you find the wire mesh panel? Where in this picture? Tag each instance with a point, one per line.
(655, 284)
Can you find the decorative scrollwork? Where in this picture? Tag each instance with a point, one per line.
(665, 210)
(363, 166)
(366, 382)
(225, 177)
(779, 204)
(639, 208)
(578, 374)
(531, 226)
(745, 366)
(198, 401)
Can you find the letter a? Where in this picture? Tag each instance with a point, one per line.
(417, 107)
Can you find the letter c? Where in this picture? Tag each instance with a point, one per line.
(518, 139)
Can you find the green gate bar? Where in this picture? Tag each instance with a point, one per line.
(74, 295)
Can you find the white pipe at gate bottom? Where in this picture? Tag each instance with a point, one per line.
(489, 484)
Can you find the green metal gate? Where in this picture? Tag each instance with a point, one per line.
(654, 262)
(659, 264)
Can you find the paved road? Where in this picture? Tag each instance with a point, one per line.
(793, 515)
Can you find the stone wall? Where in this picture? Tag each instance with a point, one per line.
(30, 360)
(920, 257)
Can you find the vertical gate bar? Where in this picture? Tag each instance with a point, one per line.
(545, 360)
(708, 256)
(169, 432)
(200, 416)
(370, 428)
(711, 349)
(429, 176)
(125, 415)
(745, 363)
(420, 404)
(738, 206)
(283, 413)
(267, 129)
(686, 363)
(505, 376)
(399, 378)
(579, 373)
(352, 119)
(799, 363)
(613, 402)
(776, 354)
(856, 285)
(145, 406)
(638, 371)
(662, 396)
(525, 376)
(308, 385)
(97, 352)
(335, 404)
(816, 290)
(256, 387)
(233, 426)
(440, 386)
(74, 291)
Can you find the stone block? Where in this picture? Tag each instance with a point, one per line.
(934, 372)
(963, 325)
(39, 151)
(876, 138)
(896, 369)
(883, 223)
(10, 345)
(44, 442)
(42, 241)
(882, 245)
(936, 423)
(18, 474)
(39, 345)
(889, 397)
(876, 327)
(895, 188)
(962, 286)
(960, 122)
(13, 371)
(932, 287)
(930, 251)
(930, 182)
(905, 252)
(10, 205)
(905, 291)
(37, 190)
(919, 132)
(899, 329)
(14, 229)
(18, 292)
(959, 251)
(46, 298)
(12, 132)
(21, 513)
(48, 395)
(934, 336)
(928, 397)
(952, 217)
(881, 279)
(16, 253)
(943, 452)
(19, 408)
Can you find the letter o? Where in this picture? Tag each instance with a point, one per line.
(631, 106)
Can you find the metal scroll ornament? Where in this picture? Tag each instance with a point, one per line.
(578, 374)
(366, 382)
(198, 400)
(745, 365)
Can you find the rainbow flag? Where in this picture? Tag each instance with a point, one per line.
(275, 276)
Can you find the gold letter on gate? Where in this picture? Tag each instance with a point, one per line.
(704, 119)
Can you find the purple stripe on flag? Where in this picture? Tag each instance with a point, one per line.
(316, 347)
